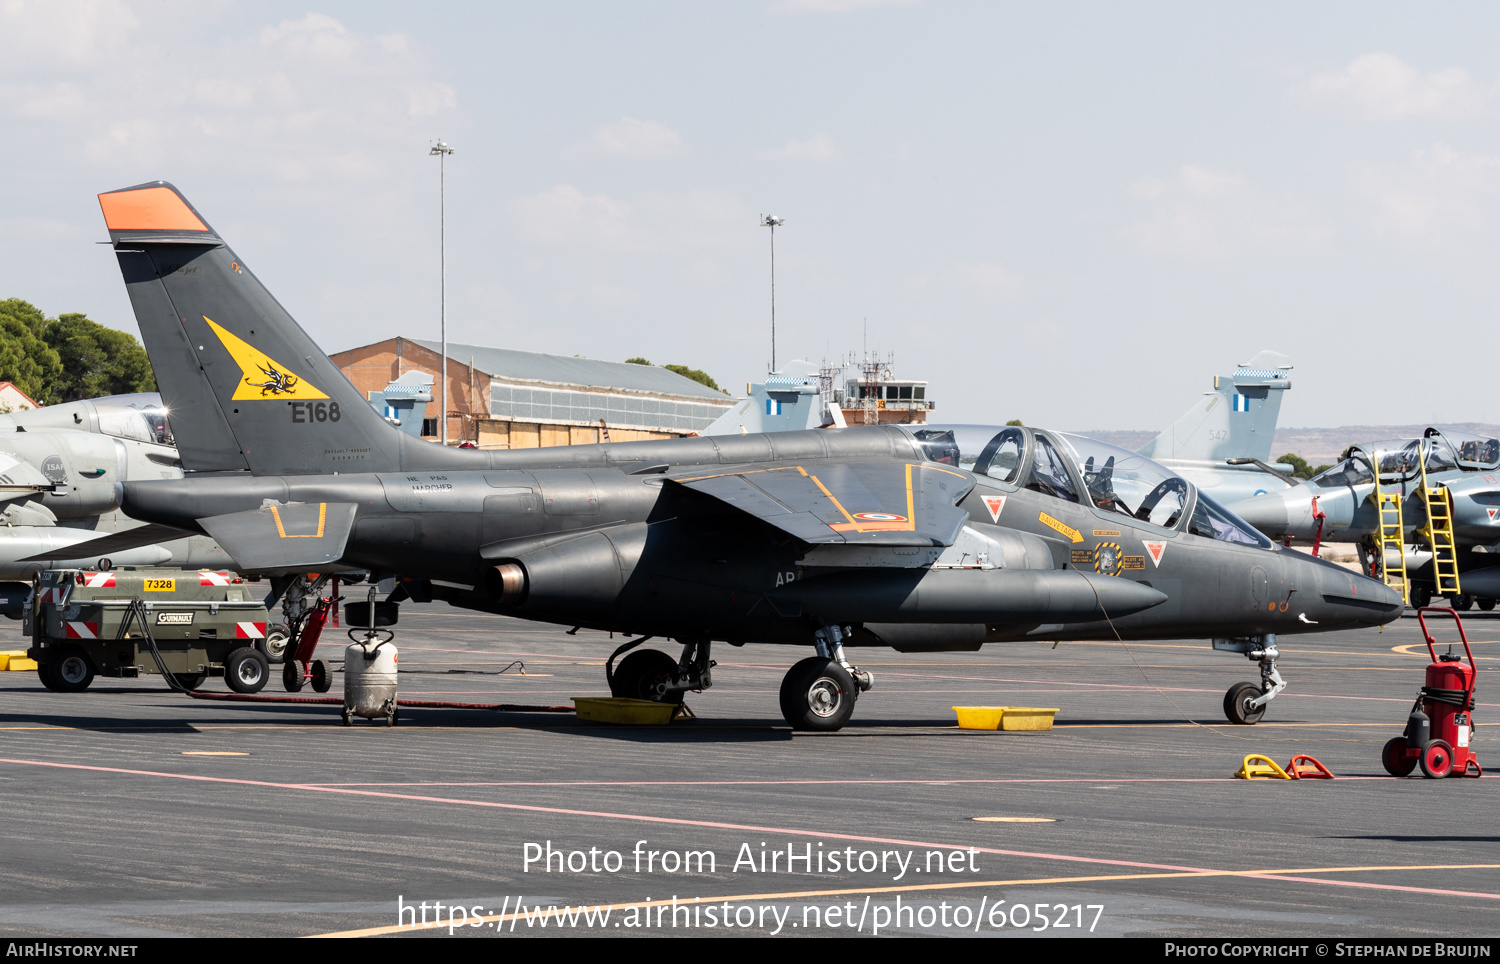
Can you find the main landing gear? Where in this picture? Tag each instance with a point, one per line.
(653, 675)
(818, 693)
(1245, 703)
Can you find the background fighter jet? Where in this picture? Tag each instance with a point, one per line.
(59, 468)
(1436, 539)
(919, 537)
(1223, 443)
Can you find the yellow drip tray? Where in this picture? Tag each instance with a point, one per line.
(1005, 717)
(620, 709)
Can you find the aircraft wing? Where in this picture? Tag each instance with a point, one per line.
(116, 542)
(284, 539)
(857, 503)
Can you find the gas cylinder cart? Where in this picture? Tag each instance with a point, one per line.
(370, 662)
(135, 620)
(1440, 730)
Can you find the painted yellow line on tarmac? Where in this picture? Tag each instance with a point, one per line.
(923, 888)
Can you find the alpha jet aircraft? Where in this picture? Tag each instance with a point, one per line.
(1340, 503)
(920, 538)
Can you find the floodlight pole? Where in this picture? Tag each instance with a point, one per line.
(772, 221)
(441, 150)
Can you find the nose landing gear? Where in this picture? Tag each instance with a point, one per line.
(1245, 703)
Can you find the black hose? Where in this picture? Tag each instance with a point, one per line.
(1433, 694)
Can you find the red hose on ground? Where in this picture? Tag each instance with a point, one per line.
(339, 701)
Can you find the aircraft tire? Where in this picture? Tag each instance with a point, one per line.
(1421, 596)
(1487, 605)
(71, 670)
(1463, 602)
(1237, 707)
(639, 672)
(246, 670)
(1393, 757)
(322, 676)
(190, 681)
(818, 694)
(1437, 759)
(278, 640)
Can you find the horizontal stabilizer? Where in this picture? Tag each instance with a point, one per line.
(115, 543)
(284, 539)
(857, 503)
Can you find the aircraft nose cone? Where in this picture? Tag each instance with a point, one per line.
(1350, 597)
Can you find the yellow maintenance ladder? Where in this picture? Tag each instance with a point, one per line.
(1439, 534)
(1392, 535)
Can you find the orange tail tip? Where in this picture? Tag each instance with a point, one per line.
(148, 209)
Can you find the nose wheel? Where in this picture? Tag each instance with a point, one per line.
(1245, 703)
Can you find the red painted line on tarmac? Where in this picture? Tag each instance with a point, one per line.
(815, 783)
(719, 825)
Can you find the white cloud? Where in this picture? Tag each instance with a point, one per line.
(819, 147)
(1215, 215)
(565, 215)
(1441, 198)
(1381, 86)
(629, 137)
(987, 280)
(303, 95)
(834, 6)
(693, 220)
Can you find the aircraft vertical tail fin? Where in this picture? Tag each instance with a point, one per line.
(245, 387)
(1237, 420)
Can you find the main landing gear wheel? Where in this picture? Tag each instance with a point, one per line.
(1237, 708)
(818, 694)
(1394, 757)
(246, 670)
(1421, 596)
(1487, 605)
(70, 670)
(1437, 759)
(322, 676)
(640, 675)
(1463, 602)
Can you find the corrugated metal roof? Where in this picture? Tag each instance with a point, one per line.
(533, 366)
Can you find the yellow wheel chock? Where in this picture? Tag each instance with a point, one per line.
(1259, 767)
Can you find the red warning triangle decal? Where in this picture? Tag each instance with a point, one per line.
(1492, 510)
(1155, 550)
(997, 502)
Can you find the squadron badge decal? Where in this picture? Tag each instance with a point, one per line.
(262, 377)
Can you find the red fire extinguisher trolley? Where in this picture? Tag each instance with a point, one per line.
(1440, 730)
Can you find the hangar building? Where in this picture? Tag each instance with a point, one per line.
(502, 398)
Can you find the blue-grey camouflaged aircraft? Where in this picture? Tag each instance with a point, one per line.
(1425, 511)
(922, 538)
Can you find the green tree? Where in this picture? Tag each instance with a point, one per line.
(1014, 421)
(96, 360)
(701, 377)
(637, 361)
(25, 358)
(1300, 468)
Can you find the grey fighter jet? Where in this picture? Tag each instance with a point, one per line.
(922, 538)
(1462, 473)
(59, 466)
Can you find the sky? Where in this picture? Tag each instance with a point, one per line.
(1073, 214)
